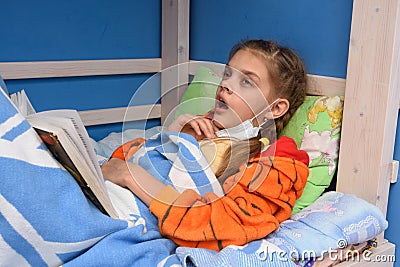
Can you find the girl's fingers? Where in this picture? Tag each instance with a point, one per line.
(203, 126)
(179, 123)
(215, 128)
(210, 128)
(115, 170)
(196, 127)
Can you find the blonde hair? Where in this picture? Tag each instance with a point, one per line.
(288, 79)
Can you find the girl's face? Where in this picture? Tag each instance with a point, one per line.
(244, 90)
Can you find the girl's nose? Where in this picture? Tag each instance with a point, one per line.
(225, 89)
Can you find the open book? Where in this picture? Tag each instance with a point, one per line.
(66, 137)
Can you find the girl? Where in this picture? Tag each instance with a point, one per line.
(260, 188)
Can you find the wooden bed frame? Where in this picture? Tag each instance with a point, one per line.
(371, 89)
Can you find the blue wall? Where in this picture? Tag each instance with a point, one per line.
(317, 29)
(393, 215)
(67, 30)
(75, 30)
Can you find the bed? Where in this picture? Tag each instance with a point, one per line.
(365, 167)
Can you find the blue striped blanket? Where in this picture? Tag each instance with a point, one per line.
(176, 159)
(45, 220)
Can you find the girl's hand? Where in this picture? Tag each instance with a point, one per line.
(116, 171)
(134, 177)
(198, 126)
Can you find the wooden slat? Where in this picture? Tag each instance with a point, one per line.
(71, 68)
(324, 85)
(123, 114)
(371, 101)
(317, 85)
(175, 53)
(320, 85)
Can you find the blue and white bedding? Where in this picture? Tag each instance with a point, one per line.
(176, 159)
(45, 220)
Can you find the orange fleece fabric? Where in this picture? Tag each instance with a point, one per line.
(247, 212)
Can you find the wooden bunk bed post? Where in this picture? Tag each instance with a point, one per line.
(371, 108)
(175, 50)
(368, 134)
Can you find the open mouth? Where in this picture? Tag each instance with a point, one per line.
(221, 104)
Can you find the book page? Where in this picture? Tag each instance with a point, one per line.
(3, 86)
(79, 133)
(68, 127)
(78, 149)
(22, 102)
(57, 149)
(26, 103)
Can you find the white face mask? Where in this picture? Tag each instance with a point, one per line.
(244, 130)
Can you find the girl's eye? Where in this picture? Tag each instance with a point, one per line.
(247, 82)
(227, 73)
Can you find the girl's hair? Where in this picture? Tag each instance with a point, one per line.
(288, 79)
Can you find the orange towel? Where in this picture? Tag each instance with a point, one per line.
(247, 212)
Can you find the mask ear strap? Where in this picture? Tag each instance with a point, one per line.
(266, 123)
(265, 118)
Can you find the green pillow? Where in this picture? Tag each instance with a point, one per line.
(315, 127)
(199, 97)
